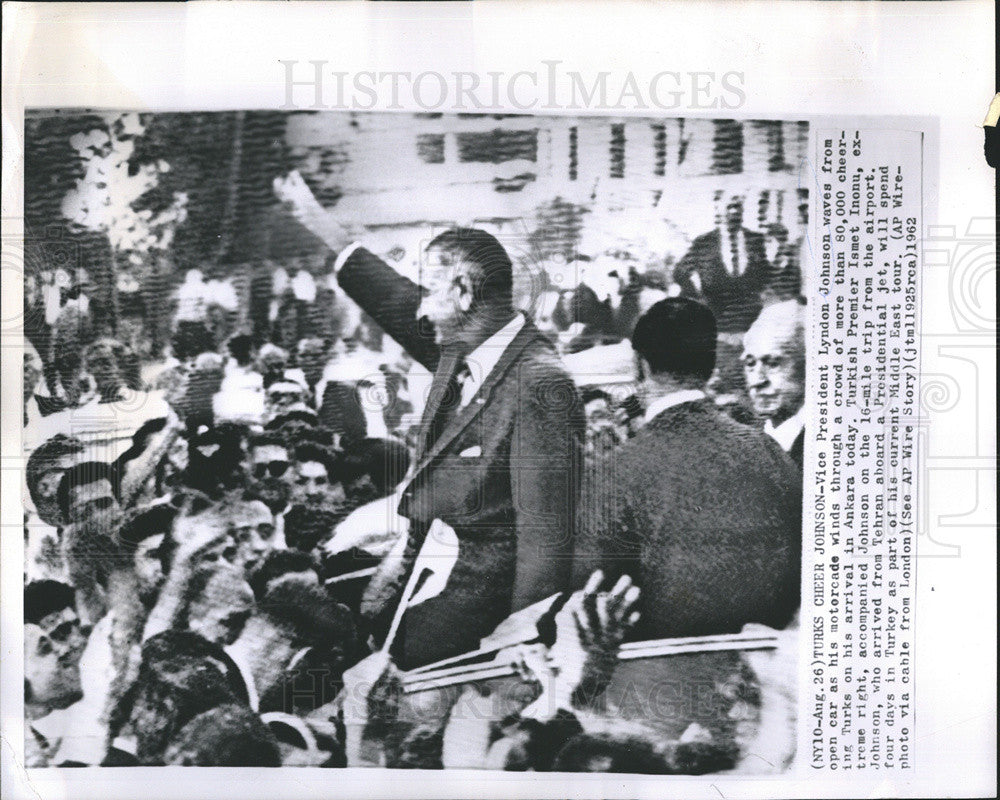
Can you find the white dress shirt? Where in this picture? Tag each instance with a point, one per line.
(247, 674)
(484, 358)
(661, 404)
(788, 431)
(726, 249)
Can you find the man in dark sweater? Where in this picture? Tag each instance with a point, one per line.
(703, 512)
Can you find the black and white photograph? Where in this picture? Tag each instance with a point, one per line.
(498, 400)
(413, 440)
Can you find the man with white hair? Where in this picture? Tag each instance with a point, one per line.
(774, 363)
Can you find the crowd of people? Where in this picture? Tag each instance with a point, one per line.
(254, 574)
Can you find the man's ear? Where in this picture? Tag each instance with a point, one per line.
(465, 297)
(641, 368)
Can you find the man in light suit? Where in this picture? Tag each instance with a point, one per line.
(727, 269)
(500, 442)
(703, 512)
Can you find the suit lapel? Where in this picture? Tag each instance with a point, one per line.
(439, 388)
(469, 413)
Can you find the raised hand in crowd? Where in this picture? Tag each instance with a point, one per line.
(590, 628)
(370, 702)
(200, 538)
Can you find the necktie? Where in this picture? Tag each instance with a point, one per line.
(734, 241)
(446, 395)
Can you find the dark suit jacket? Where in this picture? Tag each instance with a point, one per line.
(705, 514)
(796, 453)
(735, 301)
(511, 498)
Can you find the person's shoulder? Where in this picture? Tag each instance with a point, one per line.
(749, 444)
(705, 239)
(701, 427)
(543, 378)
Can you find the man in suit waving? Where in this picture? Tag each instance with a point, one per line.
(499, 446)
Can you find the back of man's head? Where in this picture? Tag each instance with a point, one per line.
(160, 652)
(181, 675)
(677, 338)
(42, 598)
(139, 524)
(80, 475)
(384, 461)
(240, 347)
(313, 617)
(279, 563)
(309, 524)
(226, 736)
(46, 457)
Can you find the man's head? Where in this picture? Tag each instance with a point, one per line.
(191, 339)
(728, 211)
(374, 467)
(298, 426)
(466, 276)
(675, 341)
(252, 528)
(317, 478)
(284, 396)
(308, 525)
(775, 237)
(142, 534)
(45, 468)
(272, 492)
(296, 623)
(271, 362)
(86, 491)
(774, 361)
(106, 362)
(281, 565)
(597, 403)
(226, 736)
(241, 349)
(311, 355)
(225, 448)
(269, 456)
(222, 603)
(53, 643)
(181, 675)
